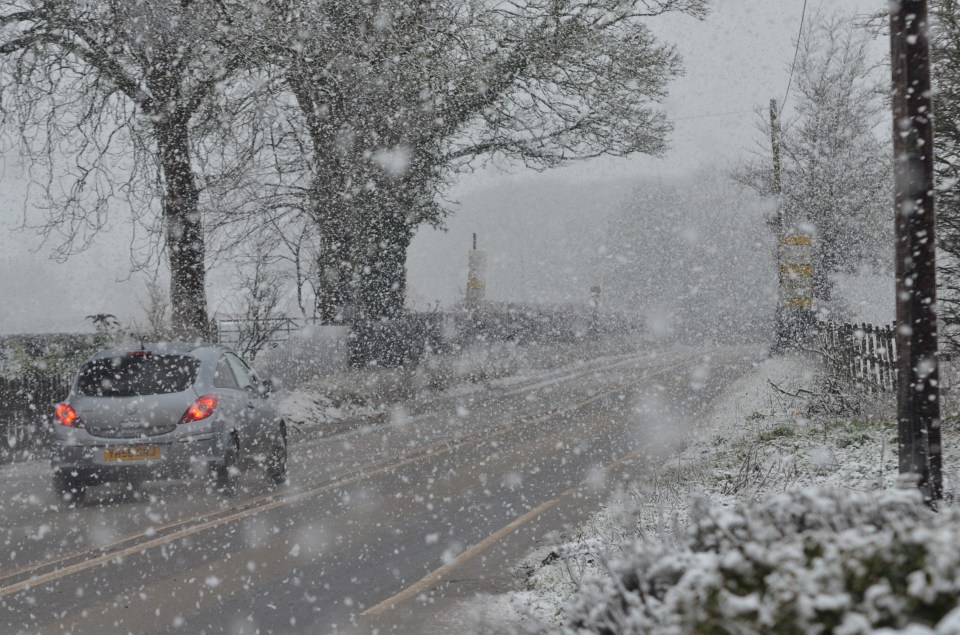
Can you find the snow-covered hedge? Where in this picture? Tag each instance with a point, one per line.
(807, 561)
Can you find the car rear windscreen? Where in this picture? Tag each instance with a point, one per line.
(135, 375)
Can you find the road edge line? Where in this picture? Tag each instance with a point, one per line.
(436, 575)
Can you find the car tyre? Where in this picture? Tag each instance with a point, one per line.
(276, 463)
(223, 475)
(70, 489)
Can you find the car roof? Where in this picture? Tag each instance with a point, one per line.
(161, 348)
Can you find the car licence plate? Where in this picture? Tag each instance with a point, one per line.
(132, 453)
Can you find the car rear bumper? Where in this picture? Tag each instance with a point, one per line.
(189, 457)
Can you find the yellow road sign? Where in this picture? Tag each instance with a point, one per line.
(796, 271)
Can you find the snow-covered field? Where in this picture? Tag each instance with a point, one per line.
(780, 513)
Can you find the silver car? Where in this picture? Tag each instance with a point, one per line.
(166, 411)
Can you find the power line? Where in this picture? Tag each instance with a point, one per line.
(803, 16)
(714, 114)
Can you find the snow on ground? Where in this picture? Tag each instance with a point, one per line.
(336, 401)
(329, 403)
(307, 413)
(772, 442)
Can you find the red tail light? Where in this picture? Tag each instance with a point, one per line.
(201, 409)
(68, 416)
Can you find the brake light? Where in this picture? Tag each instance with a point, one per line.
(68, 416)
(201, 409)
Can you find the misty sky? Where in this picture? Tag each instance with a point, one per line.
(535, 227)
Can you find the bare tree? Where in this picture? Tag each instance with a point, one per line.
(298, 239)
(396, 97)
(107, 101)
(259, 314)
(156, 306)
(836, 171)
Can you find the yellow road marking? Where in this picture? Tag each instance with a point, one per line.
(362, 473)
(189, 531)
(429, 580)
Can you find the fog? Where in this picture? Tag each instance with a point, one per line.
(540, 229)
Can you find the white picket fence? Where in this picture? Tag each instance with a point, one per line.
(863, 353)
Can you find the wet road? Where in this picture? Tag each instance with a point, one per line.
(377, 528)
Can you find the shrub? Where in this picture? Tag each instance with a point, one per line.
(806, 562)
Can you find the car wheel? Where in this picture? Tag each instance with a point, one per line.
(70, 488)
(276, 464)
(223, 475)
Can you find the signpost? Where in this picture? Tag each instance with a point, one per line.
(794, 319)
(476, 282)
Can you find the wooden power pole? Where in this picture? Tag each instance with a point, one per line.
(918, 401)
(794, 318)
(777, 179)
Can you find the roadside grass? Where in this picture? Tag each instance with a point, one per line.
(779, 431)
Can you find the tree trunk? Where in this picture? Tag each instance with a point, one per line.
(339, 238)
(363, 276)
(185, 240)
(381, 271)
(332, 294)
(362, 265)
(382, 284)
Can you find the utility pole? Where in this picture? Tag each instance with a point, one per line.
(777, 179)
(794, 318)
(918, 399)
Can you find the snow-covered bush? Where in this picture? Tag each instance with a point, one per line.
(807, 562)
